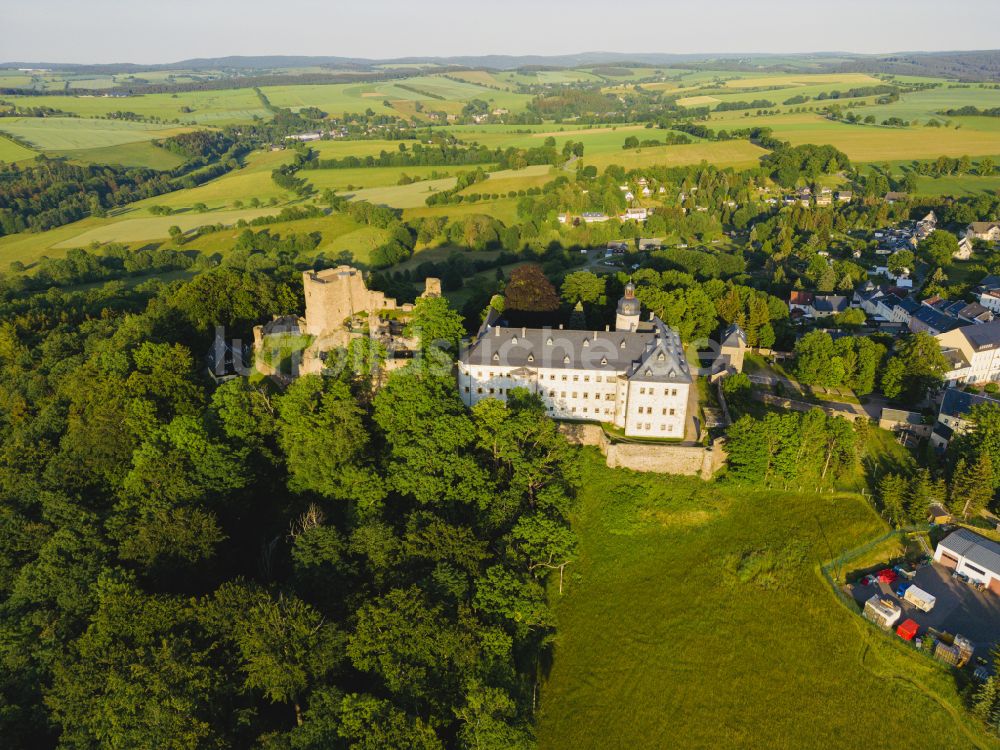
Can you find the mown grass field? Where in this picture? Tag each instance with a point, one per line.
(720, 153)
(136, 154)
(11, 152)
(868, 143)
(207, 107)
(76, 133)
(695, 618)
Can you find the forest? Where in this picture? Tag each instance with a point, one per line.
(191, 565)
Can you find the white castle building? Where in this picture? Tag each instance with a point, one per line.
(635, 377)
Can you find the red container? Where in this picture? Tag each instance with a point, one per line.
(888, 575)
(907, 630)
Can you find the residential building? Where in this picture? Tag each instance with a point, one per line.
(801, 301)
(825, 305)
(972, 555)
(845, 196)
(894, 197)
(593, 217)
(952, 417)
(984, 230)
(634, 214)
(931, 320)
(964, 251)
(636, 377)
(979, 346)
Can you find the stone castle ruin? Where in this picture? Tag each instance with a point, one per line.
(339, 308)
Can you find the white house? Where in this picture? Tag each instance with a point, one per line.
(635, 377)
(972, 555)
(979, 346)
(964, 251)
(634, 214)
(984, 230)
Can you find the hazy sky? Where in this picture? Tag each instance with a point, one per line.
(153, 31)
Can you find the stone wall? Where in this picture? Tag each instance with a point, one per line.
(659, 458)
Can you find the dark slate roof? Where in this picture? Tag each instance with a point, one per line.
(936, 319)
(957, 403)
(656, 355)
(983, 337)
(990, 282)
(830, 303)
(943, 431)
(908, 304)
(890, 300)
(980, 551)
(734, 336)
(973, 310)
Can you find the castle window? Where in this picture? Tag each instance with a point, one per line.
(466, 389)
(548, 341)
(586, 342)
(673, 392)
(479, 390)
(662, 357)
(492, 391)
(513, 339)
(566, 360)
(598, 378)
(604, 360)
(576, 378)
(642, 391)
(531, 357)
(496, 356)
(672, 412)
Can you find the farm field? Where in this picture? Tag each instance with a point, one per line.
(720, 153)
(76, 133)
(957, 185)
(695, 617)
(435, 92)
(869, 143)
(369, 177)
(793, 80)
(207, 107)
(10, 151)
(925, 105)
(503, 209)
(136, 154)
(252, 181)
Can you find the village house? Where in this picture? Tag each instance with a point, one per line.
(635, 377)
(976, 350)
(952, 420)
(634, 214)
(845, 196)
(964, 251)
(894, 197)
(989, 231)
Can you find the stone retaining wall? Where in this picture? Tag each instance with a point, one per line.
(660, 458)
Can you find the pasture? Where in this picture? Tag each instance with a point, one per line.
(11, 152)
(52, 134)
(694, 616)
(219, 108)
(136, 154)
(868, 143)
(720, 153)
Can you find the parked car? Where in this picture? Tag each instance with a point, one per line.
(901, 589)
(960, 577)
(905, 572)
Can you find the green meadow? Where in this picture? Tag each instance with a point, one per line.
(10, 151)
(75, 133)
(695, 616)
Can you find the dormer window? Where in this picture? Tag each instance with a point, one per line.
(622, 344)
(662, 357)
(496, 356)
(586, 342)
(531, 357)
(566, 360)
(548, 341)
(513, 339)
(648, 371)
(604, 360)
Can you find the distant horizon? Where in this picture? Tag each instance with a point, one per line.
(64, 32)
(639, 56)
